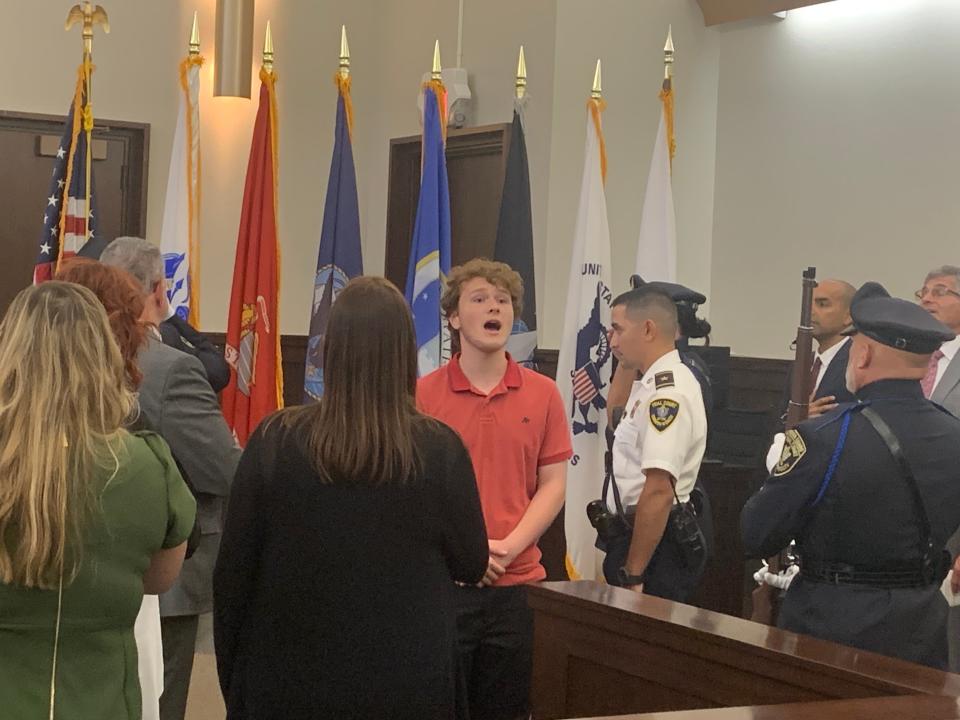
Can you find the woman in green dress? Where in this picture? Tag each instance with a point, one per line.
(91, 516)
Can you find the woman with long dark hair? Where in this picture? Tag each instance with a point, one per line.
(349, 521)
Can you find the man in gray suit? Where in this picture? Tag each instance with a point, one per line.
(177, 402)
(940, 296)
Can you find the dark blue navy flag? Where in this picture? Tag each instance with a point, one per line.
(514, 244)
(430, 249)
(65, 215)
(340, 256)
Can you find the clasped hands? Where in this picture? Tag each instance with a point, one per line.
(501, 556)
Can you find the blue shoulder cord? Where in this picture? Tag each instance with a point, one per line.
(837, 451)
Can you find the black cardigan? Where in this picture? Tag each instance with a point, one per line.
(334, 600)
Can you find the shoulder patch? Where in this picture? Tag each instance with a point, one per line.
(663, 379)
(794, 448)
(663, 411)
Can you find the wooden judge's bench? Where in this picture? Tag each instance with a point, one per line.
(601, 651)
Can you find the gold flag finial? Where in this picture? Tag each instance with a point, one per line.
(344, 52)
(521, 83)
(597, 91)
(195, 36)
(668, 54)
(89, 15)
(268, 50)
(435, 72)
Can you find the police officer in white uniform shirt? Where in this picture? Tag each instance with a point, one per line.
(657, 450)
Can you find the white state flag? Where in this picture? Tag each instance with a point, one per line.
(181, 212)
(583, 367)
(657, 248)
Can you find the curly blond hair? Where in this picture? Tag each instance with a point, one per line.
(494, 272)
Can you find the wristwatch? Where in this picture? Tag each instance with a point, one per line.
(628, 580)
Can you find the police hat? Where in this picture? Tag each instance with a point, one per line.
(677, 293)
(898, 323)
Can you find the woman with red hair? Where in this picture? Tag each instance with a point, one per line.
(120, 295)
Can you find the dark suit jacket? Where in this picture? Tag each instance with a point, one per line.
(182, 336)
(834, 380)
(177, 402)
(834, 383)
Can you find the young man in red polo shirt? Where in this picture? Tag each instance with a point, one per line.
(513, 423)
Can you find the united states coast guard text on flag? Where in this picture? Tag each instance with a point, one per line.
(583, 367)
(430, 249)
(65, 216)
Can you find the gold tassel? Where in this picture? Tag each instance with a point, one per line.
(666, 96)
(441, 92)
(192, 210)
(343, 84)
(597, 106)
(270, 80)
(74, 135)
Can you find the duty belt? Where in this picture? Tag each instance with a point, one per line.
(844, 574)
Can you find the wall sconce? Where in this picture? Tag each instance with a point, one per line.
(234, 48)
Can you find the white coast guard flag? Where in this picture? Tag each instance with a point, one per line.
(583, 367)
(657, 247)
(181, 213)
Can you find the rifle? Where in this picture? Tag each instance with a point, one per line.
(766, 599)
(800, 382)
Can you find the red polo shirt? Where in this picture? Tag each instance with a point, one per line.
(509, 433)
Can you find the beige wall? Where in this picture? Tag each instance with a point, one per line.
(130, 82)
(391, 45)
(628, 36)
(824, 139)
(837, 147)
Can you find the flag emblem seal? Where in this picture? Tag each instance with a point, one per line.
(593, 352)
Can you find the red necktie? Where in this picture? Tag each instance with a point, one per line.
(815, 374)
(929, 380)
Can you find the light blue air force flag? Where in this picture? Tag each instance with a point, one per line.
(430, 250)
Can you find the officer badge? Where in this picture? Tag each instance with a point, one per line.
(663, 379)
(663, 412)
(794, 448)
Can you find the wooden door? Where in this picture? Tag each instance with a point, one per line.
(120, 169)
(476, 162)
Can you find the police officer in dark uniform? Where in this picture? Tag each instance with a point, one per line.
(871, 492)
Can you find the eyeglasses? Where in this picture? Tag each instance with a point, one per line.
(937, 291)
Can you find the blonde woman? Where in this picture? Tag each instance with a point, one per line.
(91, 516)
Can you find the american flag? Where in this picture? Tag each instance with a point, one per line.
(586, 383)
(65, 214)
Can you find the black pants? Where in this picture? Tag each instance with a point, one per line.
(495, 652)
(179, 636)
(667, 575)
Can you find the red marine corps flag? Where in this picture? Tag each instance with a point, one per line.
(253, 331)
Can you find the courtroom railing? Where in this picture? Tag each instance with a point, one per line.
(600, 650)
